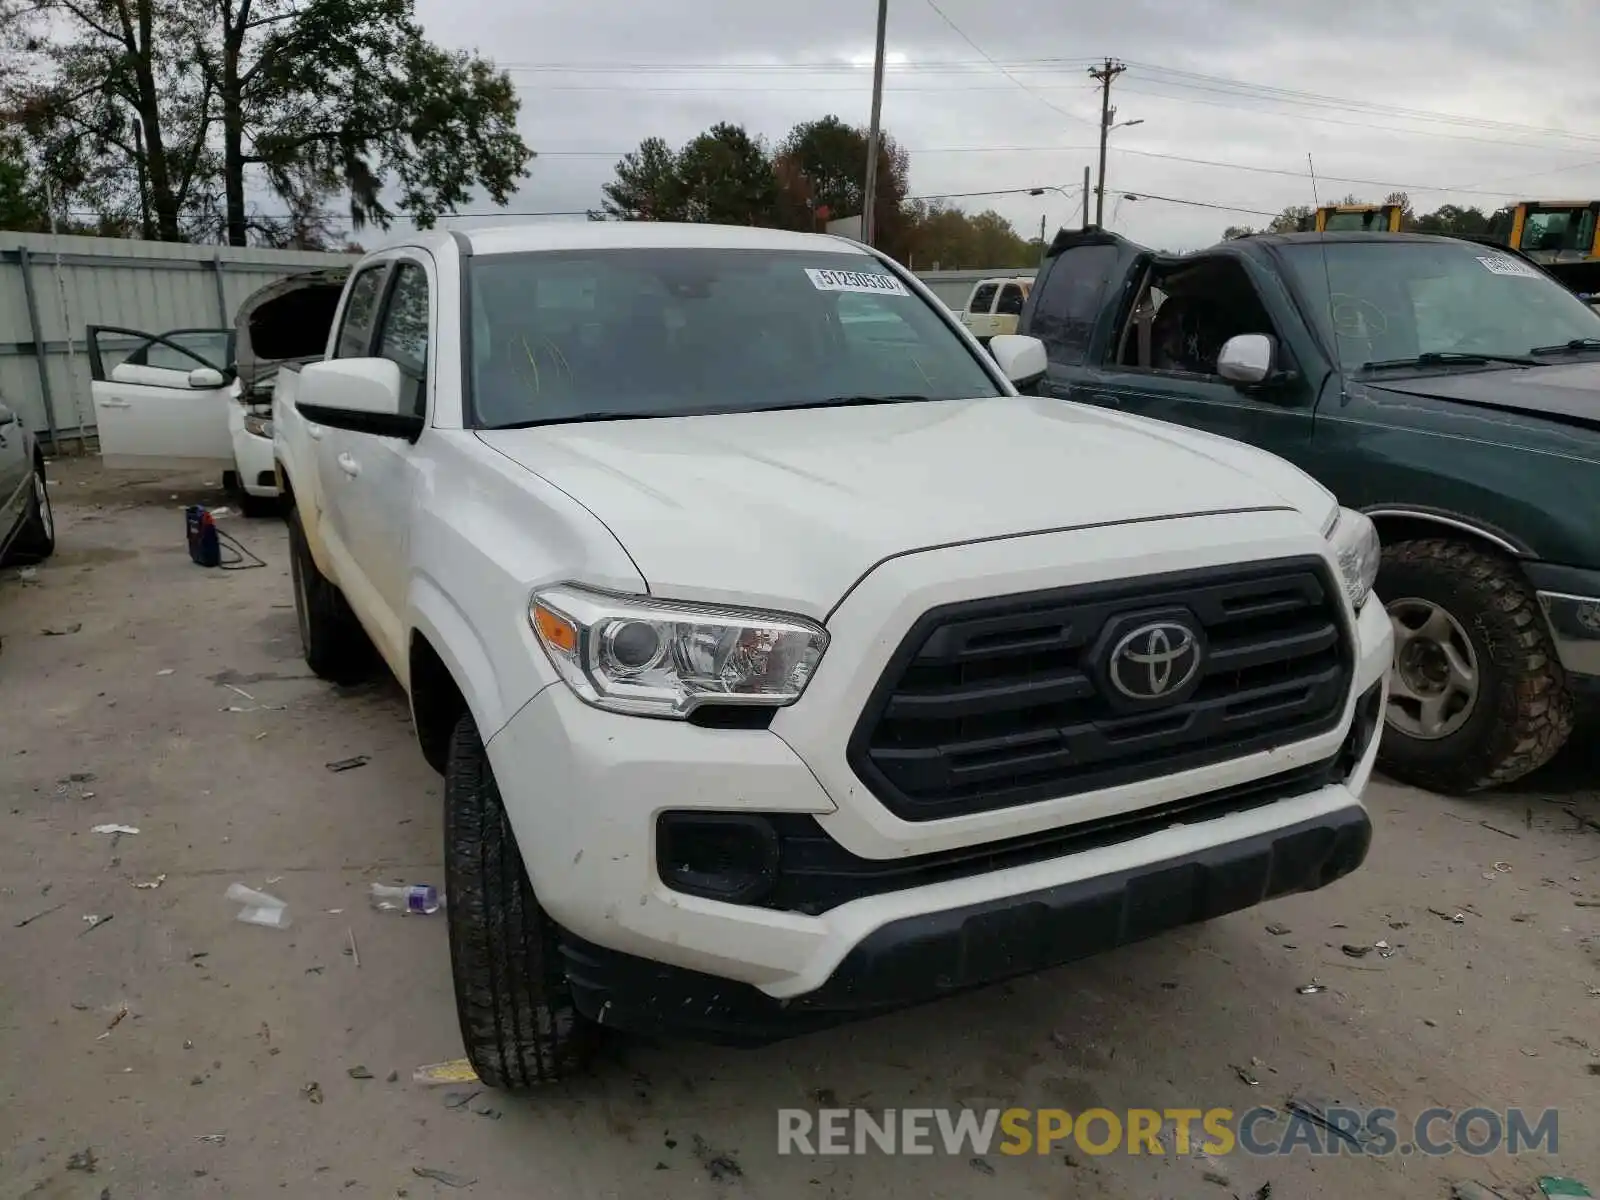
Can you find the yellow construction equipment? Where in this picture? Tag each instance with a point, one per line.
(1357, 218)
(1563, 236)
(1556, 230)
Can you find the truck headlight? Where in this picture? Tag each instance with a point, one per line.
(634, 654)
(259, 425)
(1355, 545)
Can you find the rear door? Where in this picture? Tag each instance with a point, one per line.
(149, 412)
(1074, 306)
(980, 306)
(1007, 309)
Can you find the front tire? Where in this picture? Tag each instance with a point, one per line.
(36, 539)
(518, 1021)
(335, 646)
(1477, 697)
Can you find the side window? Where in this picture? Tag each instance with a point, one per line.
(403, 335)
(983, 299)
(1066, 302)
(355, 328)
(1010, 300)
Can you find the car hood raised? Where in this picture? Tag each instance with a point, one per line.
(793, 507)
(1568, 392)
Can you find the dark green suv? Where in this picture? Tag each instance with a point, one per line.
(1448, 389)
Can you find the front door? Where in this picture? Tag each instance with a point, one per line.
(1162, 358)
(161, 399)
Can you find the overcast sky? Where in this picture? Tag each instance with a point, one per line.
(1492, 100)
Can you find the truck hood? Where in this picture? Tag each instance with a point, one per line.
(1567, 392)
(792, 508)
(287, 321)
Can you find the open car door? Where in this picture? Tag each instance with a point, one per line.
(161, 399)
(1086, 281)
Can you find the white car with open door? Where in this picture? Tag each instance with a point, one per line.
(201, 399)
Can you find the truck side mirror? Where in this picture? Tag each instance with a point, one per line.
(358, 394)
(1021, 359)
(1246, 358)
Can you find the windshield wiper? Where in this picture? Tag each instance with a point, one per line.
(848, 402)
(1572, 347)
(1437, 358)
(704, 411)
(575, 418)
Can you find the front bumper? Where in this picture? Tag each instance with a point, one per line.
(1570, 599)
(253, 457)
(933, 954)
(585, 791)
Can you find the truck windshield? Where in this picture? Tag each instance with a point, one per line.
(1395, 300)
(586, 335)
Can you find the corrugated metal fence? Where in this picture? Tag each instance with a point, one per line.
(52, 288)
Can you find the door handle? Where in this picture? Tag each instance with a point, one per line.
(349, 465)
(115, 404)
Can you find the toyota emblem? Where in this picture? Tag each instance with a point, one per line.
(1155, 660)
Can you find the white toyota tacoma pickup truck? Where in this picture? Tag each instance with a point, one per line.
(783, 663)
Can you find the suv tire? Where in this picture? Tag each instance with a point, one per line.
(36, 538)
(1493, 635)
(518, 1022)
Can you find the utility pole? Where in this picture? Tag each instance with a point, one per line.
(1086, 197)
(869, 193)
(1105, 73)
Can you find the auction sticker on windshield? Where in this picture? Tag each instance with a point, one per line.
(1501, 265)
(856, 281)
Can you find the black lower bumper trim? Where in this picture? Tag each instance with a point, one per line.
(938, 954)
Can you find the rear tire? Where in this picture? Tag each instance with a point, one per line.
(258, 506)
(36, 539)
(518, 1022)
(1467, 622)
(335, 646)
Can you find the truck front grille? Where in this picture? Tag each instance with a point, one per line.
(998, 702)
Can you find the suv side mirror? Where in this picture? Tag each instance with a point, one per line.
(1246, 358)
(1021, 359)
(206, 377)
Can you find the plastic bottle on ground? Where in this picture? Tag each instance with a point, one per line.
(421, 898)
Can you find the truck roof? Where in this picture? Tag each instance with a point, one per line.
(640, 235)
(1353, 235)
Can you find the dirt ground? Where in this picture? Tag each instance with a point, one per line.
(136, 688)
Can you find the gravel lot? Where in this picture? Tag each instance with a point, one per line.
(173, 699)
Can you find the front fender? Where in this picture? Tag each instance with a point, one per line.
(438, 618)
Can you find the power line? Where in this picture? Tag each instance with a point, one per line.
(1222, 83)
(1323, 120)
(943, 16)
(1141, 196)
(1173, 77)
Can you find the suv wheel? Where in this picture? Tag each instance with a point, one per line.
(517, 1018)
(36, 539)
(335, 646)
(1476, 694)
